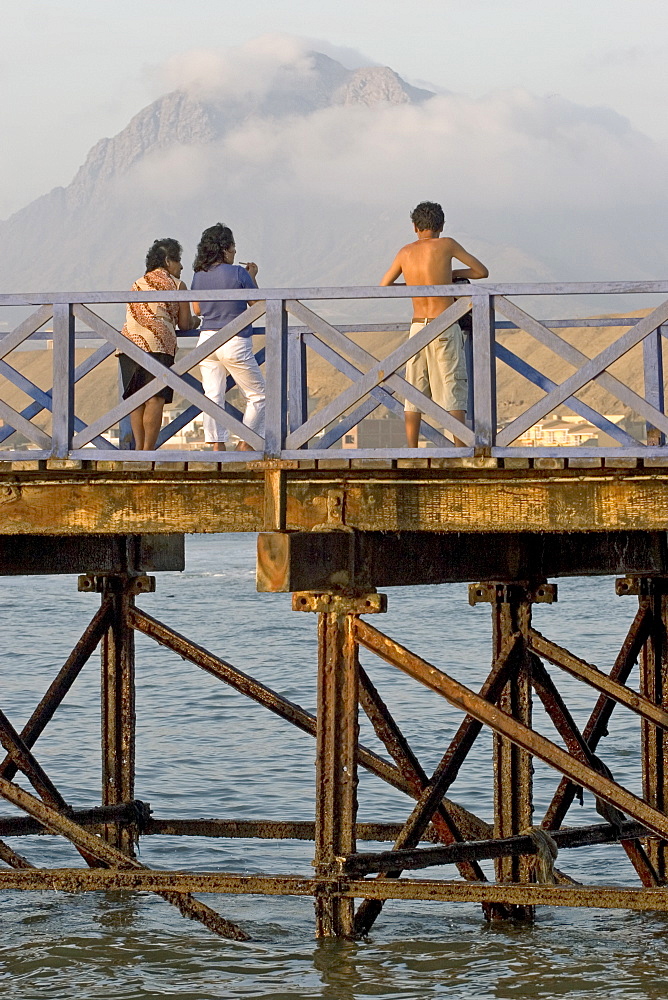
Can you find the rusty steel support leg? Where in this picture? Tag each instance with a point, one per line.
(118, 699)
(336, 747)
(513, 767)
(336, 771)
(653, 591)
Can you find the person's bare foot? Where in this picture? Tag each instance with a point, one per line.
(243, 446)
(219, 446)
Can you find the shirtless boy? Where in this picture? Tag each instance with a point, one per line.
(439, 369)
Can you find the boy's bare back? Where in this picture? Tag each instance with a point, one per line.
(428, 261)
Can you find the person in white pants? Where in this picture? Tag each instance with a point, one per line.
(215, 269)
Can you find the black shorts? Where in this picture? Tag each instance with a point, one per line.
(135, 377)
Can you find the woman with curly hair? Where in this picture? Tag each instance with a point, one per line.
(152, 326)
(214, 268)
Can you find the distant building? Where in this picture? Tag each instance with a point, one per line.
(570, 430)
(385, 432)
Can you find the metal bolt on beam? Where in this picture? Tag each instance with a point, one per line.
(641, 586)
(507, 593)
(340, 604)
(90, 584)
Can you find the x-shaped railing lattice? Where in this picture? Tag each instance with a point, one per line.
(374, 383)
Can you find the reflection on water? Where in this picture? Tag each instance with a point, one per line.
(203, 750)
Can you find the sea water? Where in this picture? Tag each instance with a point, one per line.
(203, 750)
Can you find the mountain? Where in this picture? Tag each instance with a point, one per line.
(316, 167)
(94, 233)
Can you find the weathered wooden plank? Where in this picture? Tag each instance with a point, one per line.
(653, 377)
(276, 380)
(184, 418)
(484, 500)
(62, 418)
(28, 429)
(297, 380)
(355, 292)
(484, 373)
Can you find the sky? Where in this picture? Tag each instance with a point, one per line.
(73, 72)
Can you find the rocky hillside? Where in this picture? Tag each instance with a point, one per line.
(134, 187)
(316, 167)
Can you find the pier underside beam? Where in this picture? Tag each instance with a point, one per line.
(334, 560)
(101, 555)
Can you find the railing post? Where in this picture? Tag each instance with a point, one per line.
(484, 373)
(276, 377)
(652, 355)
(62, 424)
(297, 387)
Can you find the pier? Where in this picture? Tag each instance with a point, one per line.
(336, 526)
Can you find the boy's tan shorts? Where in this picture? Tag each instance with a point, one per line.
(439, 369)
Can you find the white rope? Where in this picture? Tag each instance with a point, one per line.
(546, 854)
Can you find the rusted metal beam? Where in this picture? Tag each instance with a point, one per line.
(108, 855)
(451, 762)
(597, 726)
(260, 693)
(336, 765)
(61, 684)
(518, 894)
(463, 698)
(178, 883)
(399, 748)
(265, 829)
(26, 762)
(138, 813)
(513, 768)
(433, 790)
(95, 819)
(565, 725)
(653, 686)
(287, 710)
(13, 859)
(596, 678)
(369, 862)
(173, 883)
(117, 686)
(396, 744)
(23, 758)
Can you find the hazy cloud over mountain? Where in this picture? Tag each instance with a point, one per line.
(316, 165)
